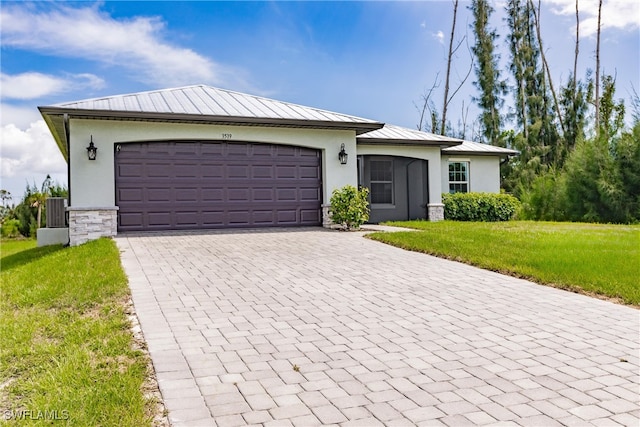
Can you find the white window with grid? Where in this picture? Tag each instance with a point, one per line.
(458, 177)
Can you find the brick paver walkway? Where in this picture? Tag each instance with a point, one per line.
(308, 327)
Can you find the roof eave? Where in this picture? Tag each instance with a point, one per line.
(358, 127)
(55, 123)
(422, 143)
(480, 153)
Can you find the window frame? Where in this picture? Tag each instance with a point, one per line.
(466, 172)
(388, 160)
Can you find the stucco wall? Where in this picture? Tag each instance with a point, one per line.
(484, 173)
(93, 182)
(431, 154)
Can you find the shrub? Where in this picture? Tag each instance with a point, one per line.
(350, 207)
(11, 228)
(546, 199)
(480, 206)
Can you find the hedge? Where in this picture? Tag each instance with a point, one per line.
(480, 207)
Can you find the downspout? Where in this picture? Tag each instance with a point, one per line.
(65, 124)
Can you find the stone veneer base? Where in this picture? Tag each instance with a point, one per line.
(435, 212)
(91, 223)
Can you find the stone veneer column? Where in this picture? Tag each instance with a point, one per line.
(435, 211)
(326, 216)
(90, 223)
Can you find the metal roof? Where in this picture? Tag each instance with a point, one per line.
(210, 103)
(201, 104)
(391, 134)
(469, 147)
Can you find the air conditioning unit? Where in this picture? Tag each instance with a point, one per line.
(56, 212)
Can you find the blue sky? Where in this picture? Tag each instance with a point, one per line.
(371, 59)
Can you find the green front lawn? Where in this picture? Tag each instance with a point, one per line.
(67, 350)
(591, 258)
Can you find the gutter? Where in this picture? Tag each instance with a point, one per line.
(65, 124)
(358, 127)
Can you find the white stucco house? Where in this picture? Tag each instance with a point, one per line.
(199, 157)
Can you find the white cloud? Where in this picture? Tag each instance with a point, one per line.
(32, 85)
(616, 14)
(136, 44)
(20, 116)
(438, 36)
(25, 153)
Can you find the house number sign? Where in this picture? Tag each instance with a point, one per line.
(226, 136)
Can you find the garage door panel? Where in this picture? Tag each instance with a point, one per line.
(158, 170)
(210, 170)
(309, 216)
(287, 217)
(263, 217)
(129, 171)
(239, 217)
(211, 218)
(212, 194)
(238, 195)
(309, 194)
(308, 152)
(286, 151)
(189, 218)
(129, 194)
(286, 172)
(238, 171)
(187, 194)
(262, 150)
(159, 219)
(309, 172)
(237, 149)
(186, 170)
(159, 195)
(262, 172)
(129, 219)
(188, 185)
(212, 149)
(262, 194)
(286, 194)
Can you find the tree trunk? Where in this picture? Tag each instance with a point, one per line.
(597, 99)
(449, 58)
(575, 59)
(536, 17)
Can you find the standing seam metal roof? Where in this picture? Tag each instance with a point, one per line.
(401, 135)
(469, 147)
(207, 104)
(204, 100)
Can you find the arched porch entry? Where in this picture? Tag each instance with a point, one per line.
(398, 186)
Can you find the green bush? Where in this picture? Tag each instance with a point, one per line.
(480, 207)
(350, 207)
(11, 228)
(546, 199)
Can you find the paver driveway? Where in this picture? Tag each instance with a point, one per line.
(309, 327)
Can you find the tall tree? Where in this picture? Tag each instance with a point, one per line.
(597, 99)
(536, 17)
(440, 124)
(533, 105)
(492, 89)
(449, 59)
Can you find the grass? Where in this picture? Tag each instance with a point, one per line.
(67, 349)
(589, 258)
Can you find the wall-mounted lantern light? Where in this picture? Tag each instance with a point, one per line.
(342, 155)
(92, 150)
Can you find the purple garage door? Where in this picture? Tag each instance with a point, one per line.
(191, 185)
